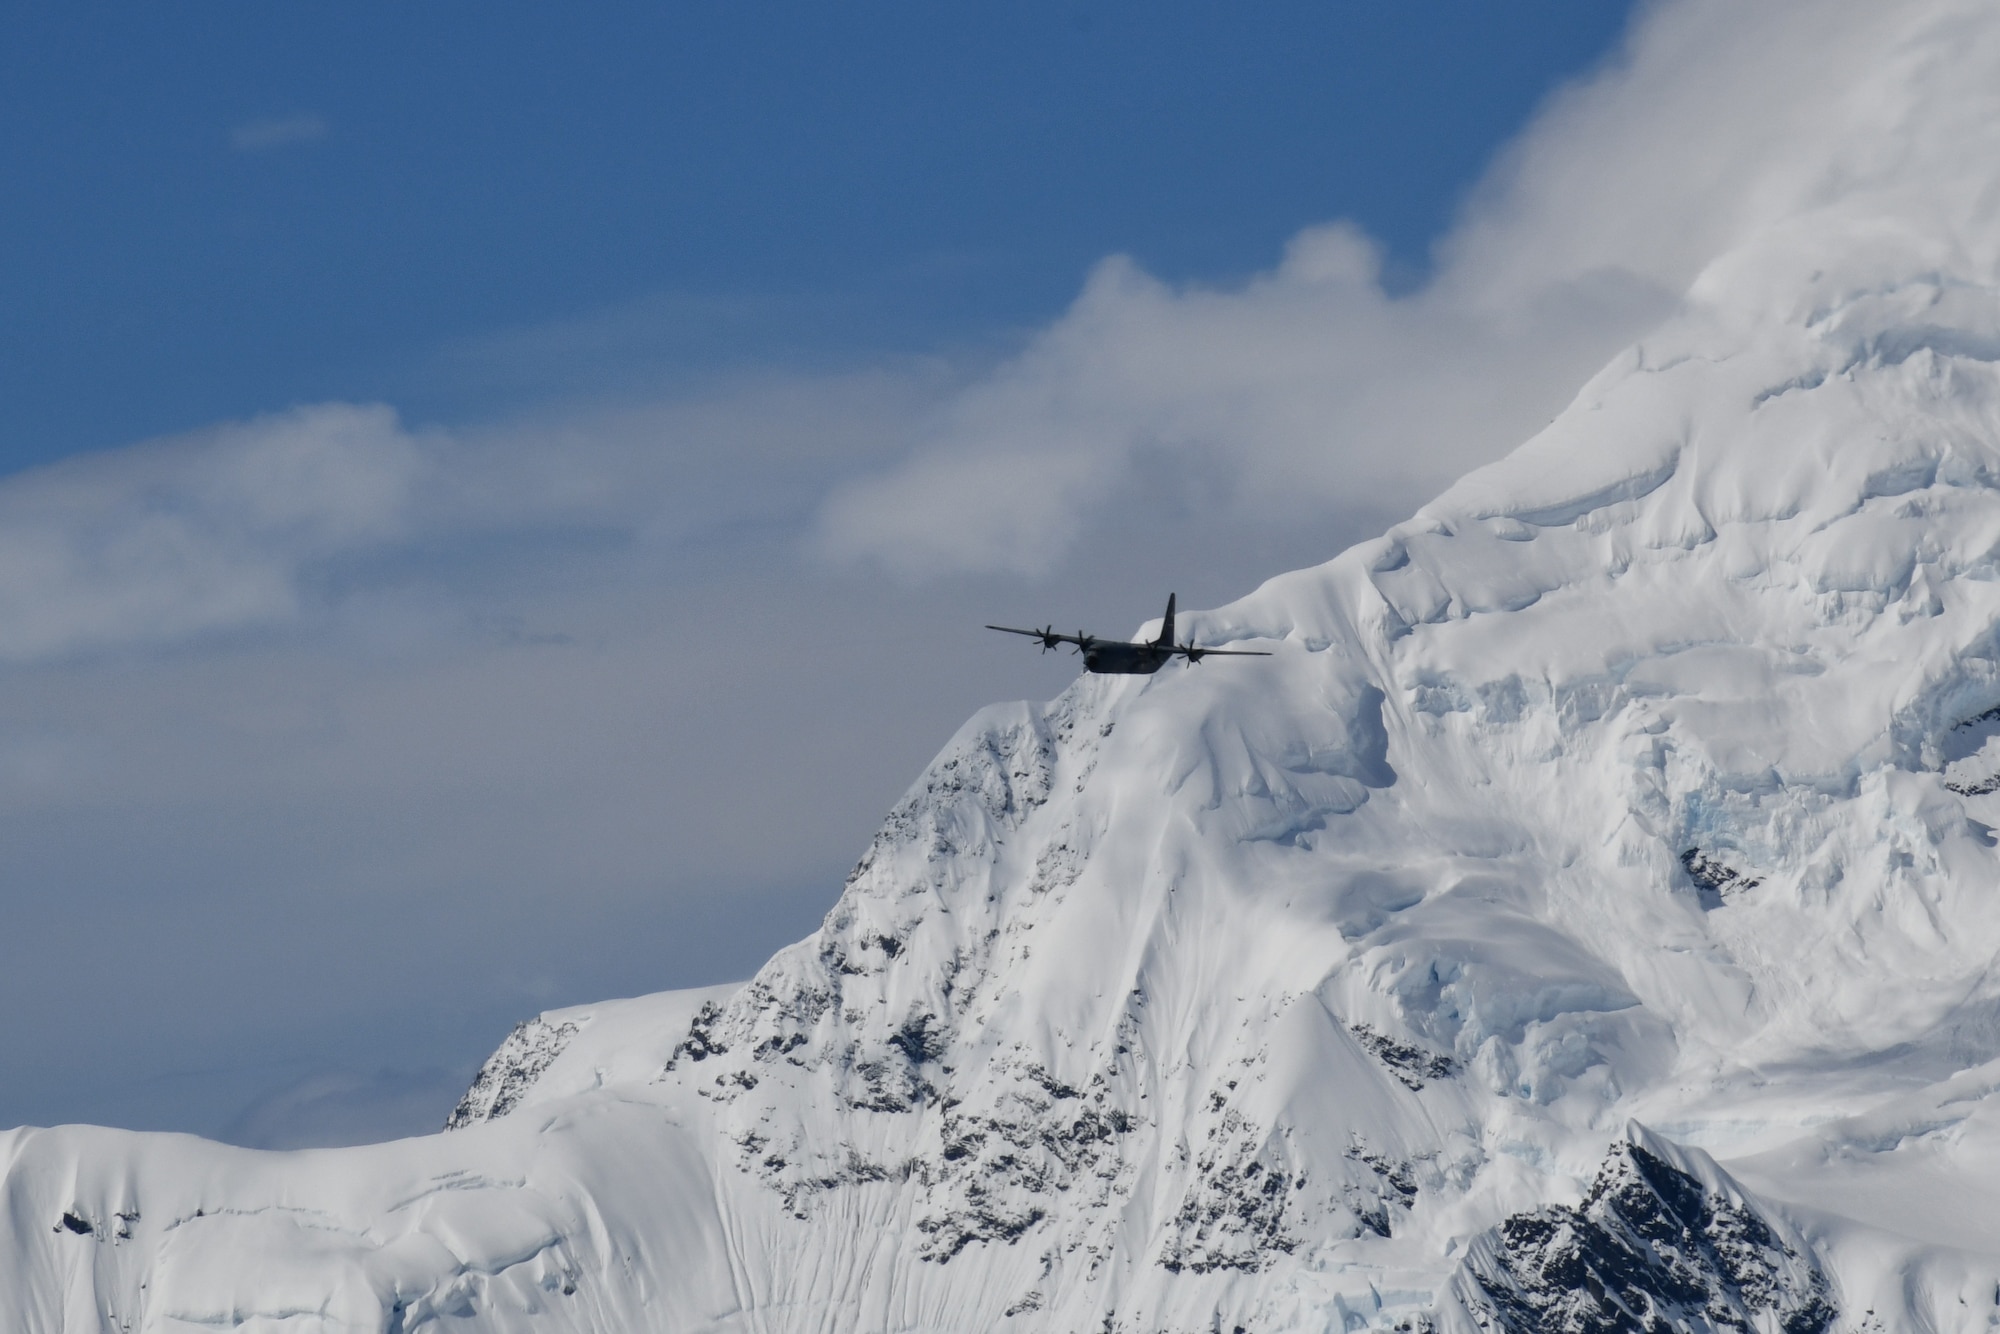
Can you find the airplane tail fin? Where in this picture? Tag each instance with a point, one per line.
(1167, 625)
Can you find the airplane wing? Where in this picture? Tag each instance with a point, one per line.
(1048, 637)
(1191, 651)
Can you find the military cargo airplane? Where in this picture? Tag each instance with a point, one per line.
(1117, 657)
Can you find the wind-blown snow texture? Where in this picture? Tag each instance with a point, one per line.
(1632, 803)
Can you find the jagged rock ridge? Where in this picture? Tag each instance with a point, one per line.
(511, 1071)
(1653, 1247)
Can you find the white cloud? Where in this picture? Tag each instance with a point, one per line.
(1307, 388)
(211, 531)
(1310, 384)
(277, 132)
(257, 524)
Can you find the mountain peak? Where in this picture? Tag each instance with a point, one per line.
(1648, 774)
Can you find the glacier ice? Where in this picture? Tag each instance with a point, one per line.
(1600, 879)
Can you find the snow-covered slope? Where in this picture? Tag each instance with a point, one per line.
(1635, 802)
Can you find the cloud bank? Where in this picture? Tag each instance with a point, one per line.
(274, 522)
(1312, 383)
(213, 531)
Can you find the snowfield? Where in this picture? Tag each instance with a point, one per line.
(1586, 918)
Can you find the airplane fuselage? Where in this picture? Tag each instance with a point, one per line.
(1116, 657)
(1113, 658)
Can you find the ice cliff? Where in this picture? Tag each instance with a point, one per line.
(1586, 920)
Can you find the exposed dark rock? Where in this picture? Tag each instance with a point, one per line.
(773, 1047)
(920, 1039)
(1395, 1188)
(1031, 1301)
(1001, 1171)
(511, 1071)
(1234, 1215)
(888, 1084)
(1970, 775)
(1653, 1249)
(1966, 724)
(1714, 877)
(701, 1041)
(1413, 1067)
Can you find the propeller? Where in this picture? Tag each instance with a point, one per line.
(1048, 637)
(1194, 655)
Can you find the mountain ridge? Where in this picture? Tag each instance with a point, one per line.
(1582, 921)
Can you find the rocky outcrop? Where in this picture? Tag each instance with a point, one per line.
(511, 1071)
(1664, 1243)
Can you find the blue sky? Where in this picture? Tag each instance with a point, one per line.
(234, 209)
(495, 506)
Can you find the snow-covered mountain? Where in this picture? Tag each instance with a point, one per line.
(1585, 920)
